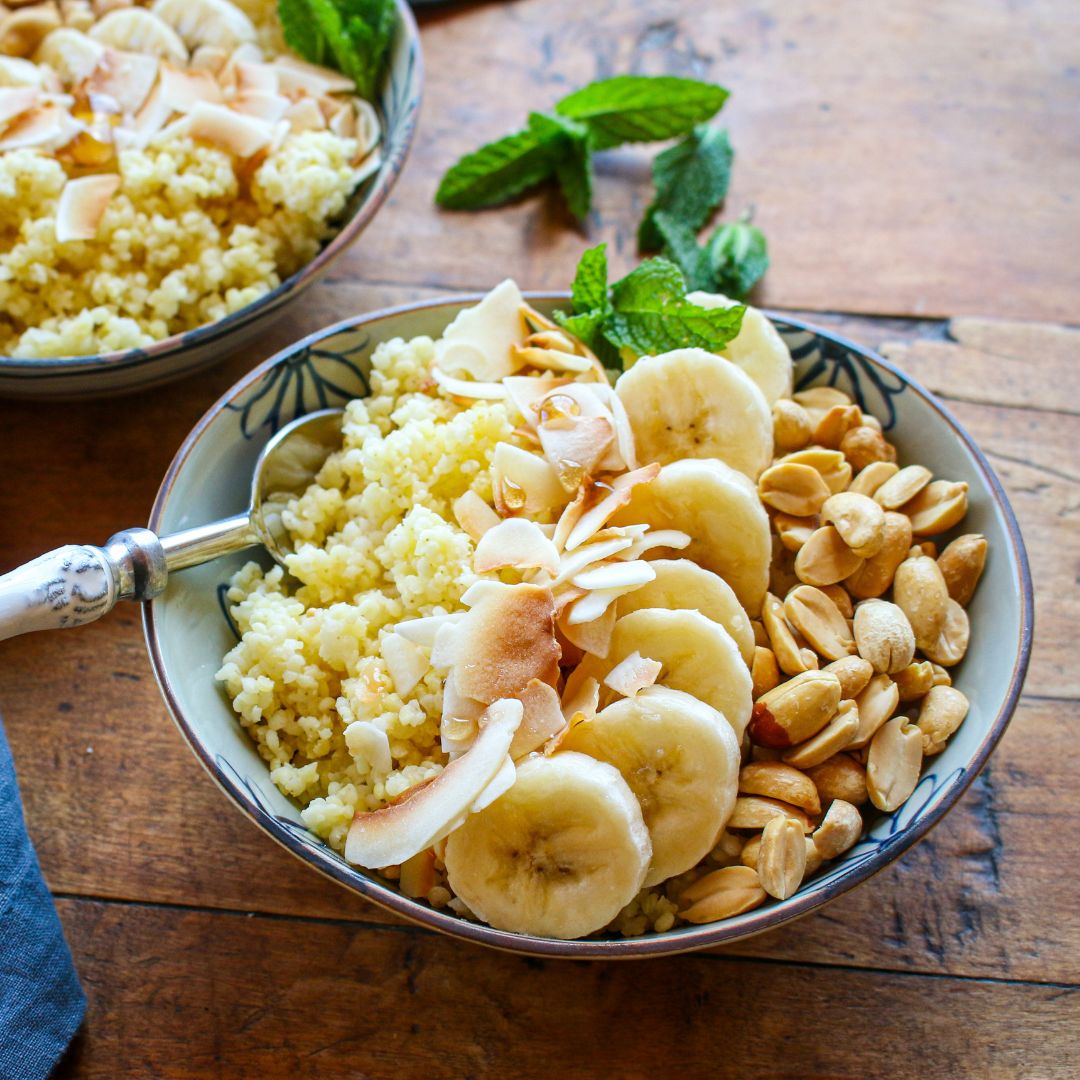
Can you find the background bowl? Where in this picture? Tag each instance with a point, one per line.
(188, 629)
(398, 103)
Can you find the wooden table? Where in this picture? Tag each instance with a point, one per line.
(918, 161)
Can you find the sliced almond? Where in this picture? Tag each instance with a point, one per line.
(517, 543)
(82, 205)
(633, 674)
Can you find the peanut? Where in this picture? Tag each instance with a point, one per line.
(791, 425)
(840, 829)
(853, 672)
(727, 850)
(835, 424)
(832, 465)
(764, 671)
(818, 619)
(796, 710)
(962, 565)
(872, 477)
(942, 712)
(840, 777)
(832, 738)
(876, 574)
(859, 521)
(941, 676)
(839, 596)
(782, 576)
(721, 894)
(793, 489)
(794, 531)
(903, 487)
(863, 446)
(825, 559)
(915, 680)
(781, 639)
(756, 811)
(951, 645)
(920, 590)
(775, 780)
(893, 764)
(761, 637)
(884, 636)
(781, 861)
(821, 398)
(877, 703)
(937, 508)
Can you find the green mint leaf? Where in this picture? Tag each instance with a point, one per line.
(649, 286)
(691, 181)
(497, 172)
(584, 326)
(737, 256)
(301, 33)
(679, 244)
(572, 151)
(641, 108)
(590, 291)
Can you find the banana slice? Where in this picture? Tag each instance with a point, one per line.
(690, 403)
(138, 30)
(206, 22)
(698, 656)
(680, 758)
(558, 855)
(682, 584)
(759, 349)
(719, 508)
(71, 54)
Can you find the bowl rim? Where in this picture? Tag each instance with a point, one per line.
(670, 942)
(159, 351)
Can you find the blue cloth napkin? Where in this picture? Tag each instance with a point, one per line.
(41, 1001)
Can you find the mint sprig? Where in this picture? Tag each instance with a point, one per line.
(644, 313)
(560, 144)
(731, 261)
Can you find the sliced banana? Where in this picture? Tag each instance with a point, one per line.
(759, 349)
(140, 31)
(682, 584)
(558, 855)
(680, 758)
(206, 22)
(719, 508)
(690, 403)
(71, 54)
(698, 656)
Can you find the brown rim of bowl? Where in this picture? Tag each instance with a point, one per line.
(684, 939)
(384, 179)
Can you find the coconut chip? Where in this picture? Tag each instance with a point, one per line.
(516, 543)
(503, 782)
(523, 482)
(611, 498)
(364, 740)
(422, 631)
(621, 575)
(82, 205)
(466, 388)
(474, 515)
(666, 538)
(543, 718)
(575, 446)
(405, 661)
(480, 340)
(635, 673)
(593, 636)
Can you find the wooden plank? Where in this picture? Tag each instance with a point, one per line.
(919, 160)
(311, 1001)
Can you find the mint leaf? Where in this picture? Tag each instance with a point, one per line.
(737, 256)
(301, 33)
(679, 244)
(496, 172)
(651, 284)
(572, 153)
(641, 108)
(590, 291)
(691, 181)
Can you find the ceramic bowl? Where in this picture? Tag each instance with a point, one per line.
(398, 105)
(188, 629)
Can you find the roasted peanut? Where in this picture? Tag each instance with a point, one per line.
(775, 780)
(919, 589)
(825, 559)
(937, 508)
(756, 811)
(819, 620)
(764, 671)
(781, 859)
(962, 565)
(876, 574)
(841, 777)
(893, 764)
(749, 854)
(877, 703)
(795, 710)
(941, 676)
(942, 712)
(915, 680)
(821, 398)
(835, 424)
(782, 576)
(809, 659)
(853, 672)
(884, 636)
(721, 894)
(791, 425)
(840, 829)
(761, 636)
(903, 487)
(831, 739)
(781, 639)
(832, 465)
(859, 521)
(929, 548)
(951, 645)
(839, 596)
(794, 531)
(863, 446)
(872, 477)
(793, 489)
(727, 850)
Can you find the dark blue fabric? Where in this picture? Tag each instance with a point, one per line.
(41, 1001)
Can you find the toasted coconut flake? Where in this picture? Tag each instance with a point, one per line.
(575, 447)
(466, 388)
(506, 639)
(255, 77)
(595, 603)
(480, 339)
(526, 391)
(616, 497)
(474, 515)
(365, 740)
(549, 359)
(624, 434)
(82, 205)
(574, 563)
(182, 90)
(659, 538)
(583, 699)
(517, 543)
(460, 719)
(268, 107)
(422, 631)
(616, 575)
(127, 77)
(524, 482)
(368, 167)
(231, 131)
(304, 115)
(15, 100)
(405, 661)
(565, 597)
(543, 718)
(632, 675)
(368, 129)
(392, 835)
(45, 127)
(15, 71)
(210, 58)
(444, 651)
(593, 636)
(480, 589)
(297, 76)
(503, 782)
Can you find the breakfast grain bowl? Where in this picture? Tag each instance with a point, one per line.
(806, 777)
(171, 175)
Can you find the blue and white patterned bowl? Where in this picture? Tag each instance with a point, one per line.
(188, 630)
(107, 373)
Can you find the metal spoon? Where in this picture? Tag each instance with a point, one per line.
(77, 584)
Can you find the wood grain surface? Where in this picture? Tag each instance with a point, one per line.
(934, 186)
